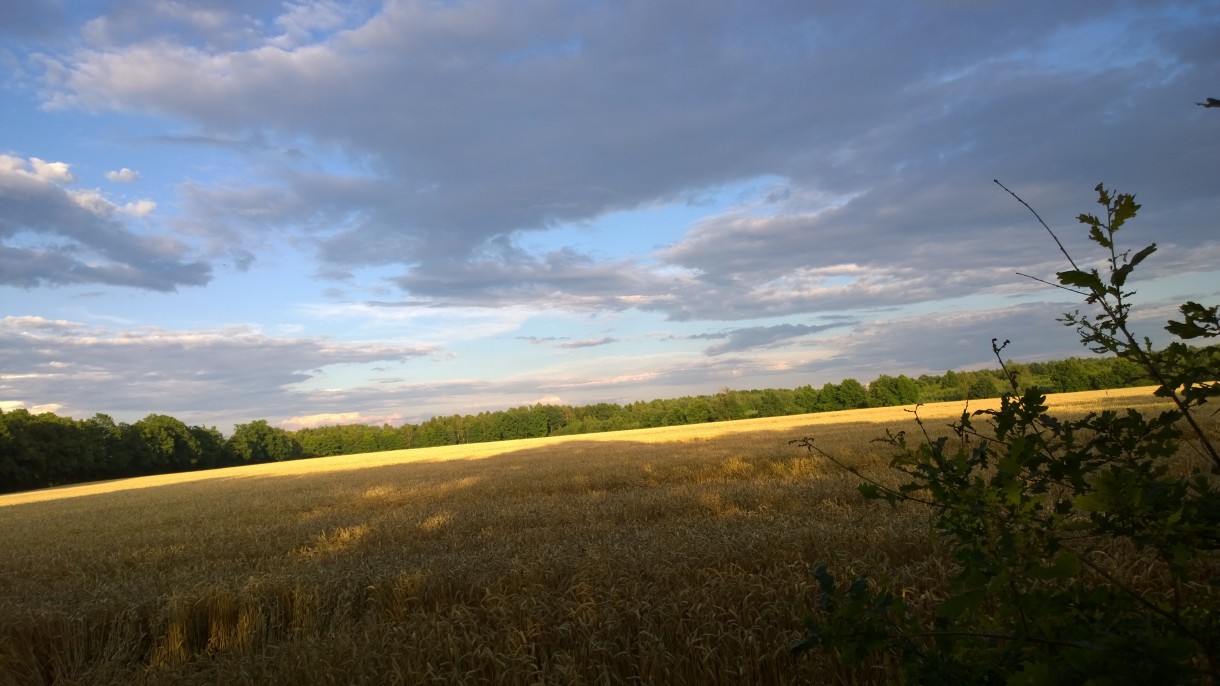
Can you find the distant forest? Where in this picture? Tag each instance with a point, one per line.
(40, 450)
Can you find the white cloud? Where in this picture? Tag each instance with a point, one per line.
(93, 201)
(335, 418)
(10, 405)
(36, 169)
(51, 171)
(123, 175)
(139, 208)
(302, 21)
(424, 321)
(209, 22)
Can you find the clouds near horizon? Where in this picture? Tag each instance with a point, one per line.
(239, 367)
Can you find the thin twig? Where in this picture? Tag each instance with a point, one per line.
(807, 443)
(1070, 290)
(1048, 229)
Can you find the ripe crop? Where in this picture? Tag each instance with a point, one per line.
(676, 555)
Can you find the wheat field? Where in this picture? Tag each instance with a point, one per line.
(657, 556)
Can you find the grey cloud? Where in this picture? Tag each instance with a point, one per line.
(651, 102)
(242, 259)
(250, 375)
(33, 267)
(248, 143)
(899, 222)
(763, 336)
(231, 24)
(935, 342)
(394, 303)
(237, 372)
(503, 273)
(238, 220)
(32, 19)
(917, 344)
(48, 236)
(590, 343)
(913, 345)
(876, 288)
(567, 343)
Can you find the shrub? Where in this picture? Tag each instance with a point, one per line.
(1083, 550)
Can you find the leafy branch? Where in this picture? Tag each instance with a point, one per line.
(1039, 513)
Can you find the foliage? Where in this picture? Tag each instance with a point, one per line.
(888, 391)
(169, 444)
(39, 450)
(258, 441)
(1084, 551)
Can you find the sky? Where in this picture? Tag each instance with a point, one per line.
(337, 212)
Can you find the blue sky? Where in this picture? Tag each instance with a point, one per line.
(319, 212)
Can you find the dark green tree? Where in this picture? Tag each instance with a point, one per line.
(170, 445)
(888, 391)
(982, 386)
(102, 431)
(848, 394)
(1068, 376)
(61, 448)
(436, 431)
(551, 419)
(213, 448)
(22, 461)
(698, 411)
(258, 441)
(806, 398)
(774, 403)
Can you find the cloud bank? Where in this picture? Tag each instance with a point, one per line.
(485, 123)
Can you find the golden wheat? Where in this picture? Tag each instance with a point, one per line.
(656, 556)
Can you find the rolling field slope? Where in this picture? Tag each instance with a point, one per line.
(675, 555)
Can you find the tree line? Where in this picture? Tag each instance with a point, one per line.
(40, 450)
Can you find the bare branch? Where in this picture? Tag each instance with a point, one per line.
(1039, 218)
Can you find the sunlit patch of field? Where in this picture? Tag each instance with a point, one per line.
(891, 416)
(665, 556)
